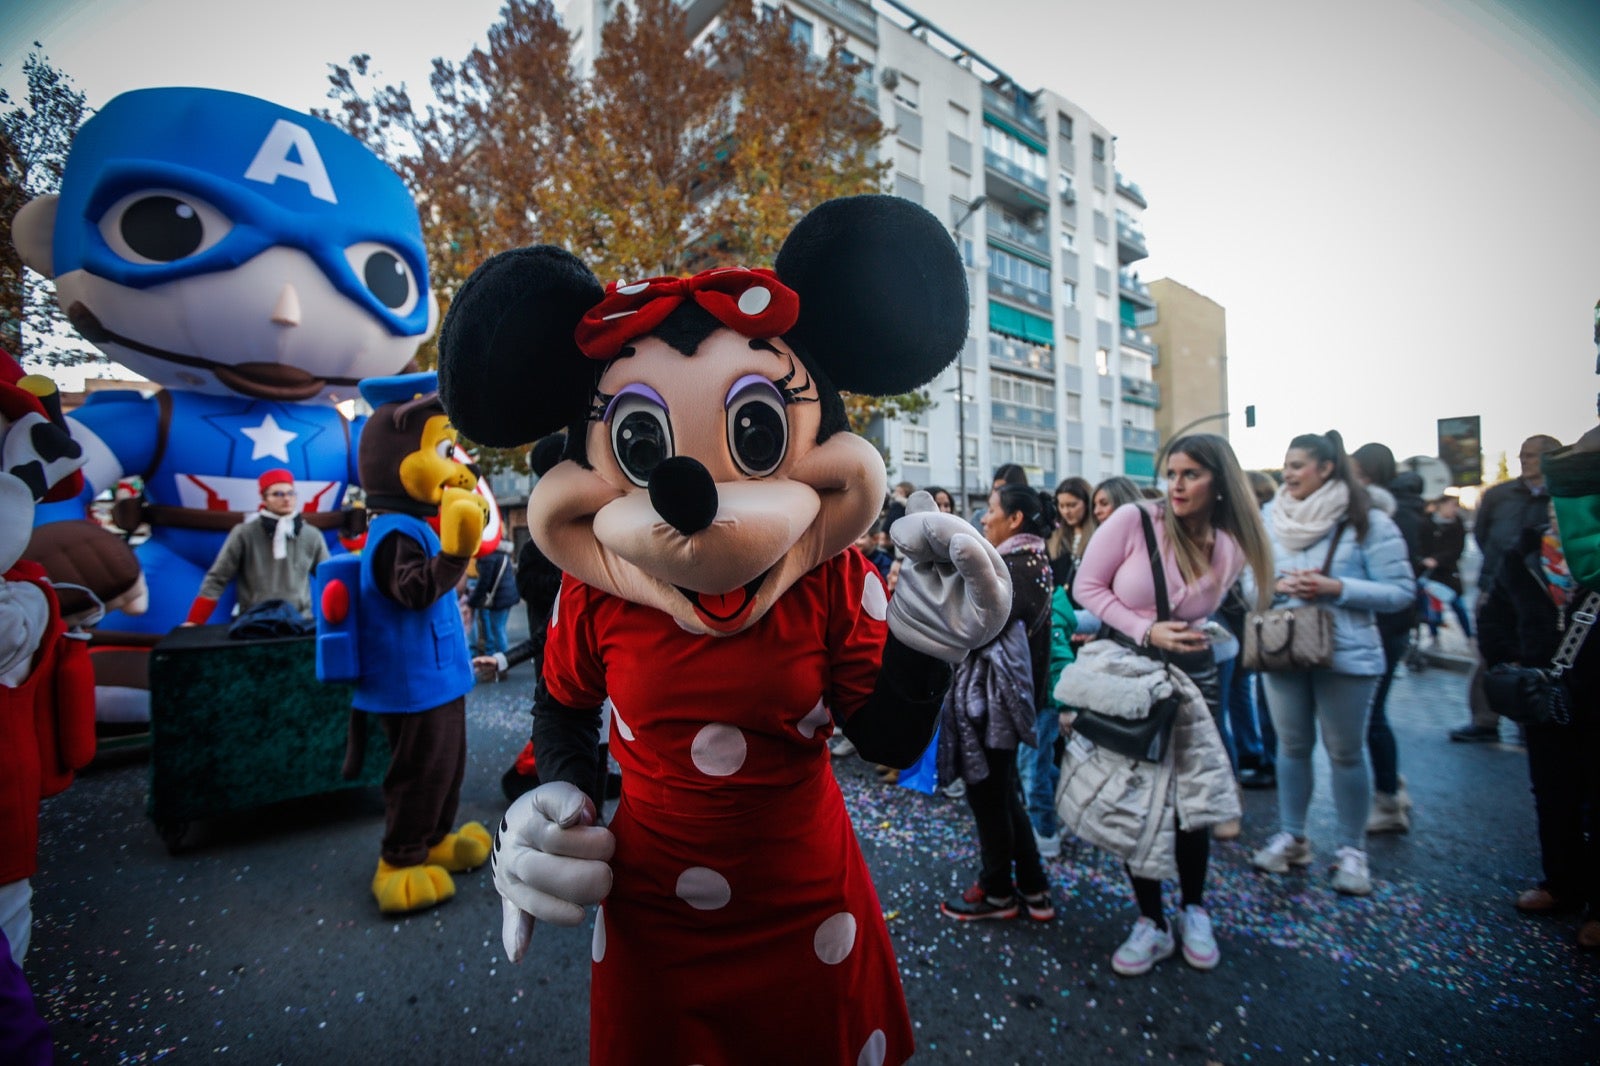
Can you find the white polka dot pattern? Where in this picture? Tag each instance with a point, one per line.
(835, 938)
(555, 609)
(634, 289)
(703, 889)
(814, 720)
(754, 300)
(718, 750)
(622, 727)
(875, 598)
(874, 1050)
(597, 950)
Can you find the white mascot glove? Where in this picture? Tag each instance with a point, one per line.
(954, 592)
(550, 861)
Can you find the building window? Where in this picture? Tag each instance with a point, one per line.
(1074, 407)
(1069, 241)
(960, 120)
(1102, 254)
(1022, 392)
(1102, 307)
(1074, 462)
(908, 94)
(1064, 186)
(1138, 416)
(1069, 293)
(914, 444)
(1064, 123)
(1106, 414)
(1013, 151)
(1102, 362)
(1098, 145)
(1019, 271)
(1024, 451)
(908, 160)
(1108, 463)
(800, 31)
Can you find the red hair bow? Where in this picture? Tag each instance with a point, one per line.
(754, 303)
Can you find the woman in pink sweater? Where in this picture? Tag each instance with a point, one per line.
(1207, 529)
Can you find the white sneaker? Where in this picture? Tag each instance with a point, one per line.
(840, 746)
(1282, 852)
(1049, 846)
(955, 789)
(1350, 873)
(1145, 947)
(1388, 814)
(1199, 944)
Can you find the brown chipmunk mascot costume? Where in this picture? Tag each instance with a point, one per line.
(705, 516)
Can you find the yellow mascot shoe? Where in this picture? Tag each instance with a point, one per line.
(403, 889)
(465, 849)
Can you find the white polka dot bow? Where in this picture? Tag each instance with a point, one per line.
(752, 302)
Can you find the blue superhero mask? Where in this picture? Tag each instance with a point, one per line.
(166, 184)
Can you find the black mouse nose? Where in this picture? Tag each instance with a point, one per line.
(683, 493)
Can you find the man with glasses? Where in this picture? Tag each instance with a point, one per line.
(272, 554)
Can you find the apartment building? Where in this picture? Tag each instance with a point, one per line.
(1057, 373)
(1191, 330)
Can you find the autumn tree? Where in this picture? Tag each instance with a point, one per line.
(673, 156)
(35, 136)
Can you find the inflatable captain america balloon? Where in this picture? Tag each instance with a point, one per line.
(257, 263)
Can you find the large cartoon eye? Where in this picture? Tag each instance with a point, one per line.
(758, 425)
(641, 433)
(162, 226)
(385, 274)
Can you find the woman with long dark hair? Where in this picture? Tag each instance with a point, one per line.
(1206, 531)
(1334, 550)
(983, 722)
(1071, 535)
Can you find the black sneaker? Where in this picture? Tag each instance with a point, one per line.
(1258, 777)
(975, 906)
(1476, 734)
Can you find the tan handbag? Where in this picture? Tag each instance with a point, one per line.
(1291, 638)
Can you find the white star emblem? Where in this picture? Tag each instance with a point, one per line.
(271, 441)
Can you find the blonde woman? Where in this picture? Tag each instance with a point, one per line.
(1206, 531)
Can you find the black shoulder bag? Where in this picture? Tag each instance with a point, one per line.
(1149, 738)
(1535, 695)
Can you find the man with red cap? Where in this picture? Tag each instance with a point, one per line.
(272, 553)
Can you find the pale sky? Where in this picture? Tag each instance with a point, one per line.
(1395, 200)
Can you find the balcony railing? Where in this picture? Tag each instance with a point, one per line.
(1009, 170)
(1132, 285)
(1133, 338)
(1014, 232)
(854, 15)
(1130, 243)
(1140, 391)
(1010, 290)
(1135, 439)
(1131, 190)
(1018, 110)
(1012, 414)
(1020, 355)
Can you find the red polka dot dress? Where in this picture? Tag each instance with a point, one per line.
(742, 926)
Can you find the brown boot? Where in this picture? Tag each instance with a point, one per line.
(1589, 935)
(1539, 900)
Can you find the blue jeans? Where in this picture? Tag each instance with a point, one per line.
(1038, 772)
(1250, 746)
(1380, 738)
(492, 630)
(1339, 704)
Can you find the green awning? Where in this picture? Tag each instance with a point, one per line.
(1129, 314)
(1006, 319)
(1138, 464)
(1016, 131)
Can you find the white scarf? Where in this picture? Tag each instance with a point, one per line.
(287, 526)
(1298, 524)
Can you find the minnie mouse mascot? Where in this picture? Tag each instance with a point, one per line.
(704, 515)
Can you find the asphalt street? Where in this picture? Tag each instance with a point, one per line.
(260, 943)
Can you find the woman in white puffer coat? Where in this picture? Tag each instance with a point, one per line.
(1321, 505)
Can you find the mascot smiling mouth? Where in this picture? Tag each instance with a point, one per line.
(260, 381)
(725, 612)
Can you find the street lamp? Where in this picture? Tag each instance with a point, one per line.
(1161, 453)
(961, 370)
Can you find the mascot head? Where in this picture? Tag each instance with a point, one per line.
(220, 243)
(709, 462)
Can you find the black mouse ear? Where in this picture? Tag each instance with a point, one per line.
(509, 369)
(883, 293)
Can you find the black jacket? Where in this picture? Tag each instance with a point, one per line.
(1505, 511)
(1520, 623)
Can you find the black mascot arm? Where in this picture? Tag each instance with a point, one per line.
(566, 744)
(896, 723)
